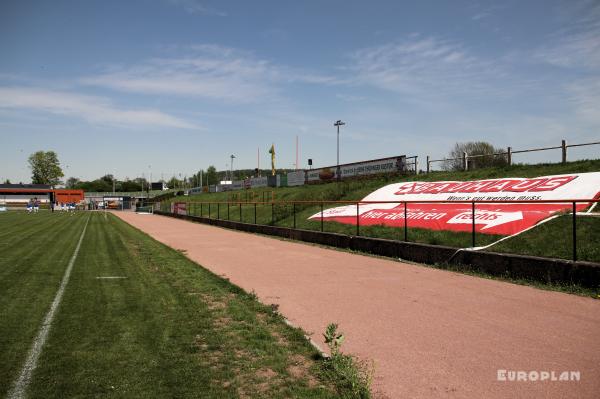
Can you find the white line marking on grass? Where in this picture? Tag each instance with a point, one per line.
(109, 277)
(20, 387)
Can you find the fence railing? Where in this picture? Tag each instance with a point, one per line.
(412, 164)
(136, 194)
(507, 155)
(207, 209)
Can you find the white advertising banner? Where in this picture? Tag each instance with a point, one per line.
(504, 218)
(385, 165)
(296, 178)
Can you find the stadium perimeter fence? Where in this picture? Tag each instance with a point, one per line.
(223, 210)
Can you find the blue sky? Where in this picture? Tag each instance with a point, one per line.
(172, 86)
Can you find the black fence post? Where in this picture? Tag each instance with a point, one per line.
(218, 210)
(321, 216)
(209, 210)
(473, 224)
(255, 213)
(357, 221)
(240, 211)
(228, 206)
(405, 224)
(272, 214)
(294, 215)
(574, 231)
(201, 209)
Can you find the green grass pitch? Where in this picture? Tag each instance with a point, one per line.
(165, 328)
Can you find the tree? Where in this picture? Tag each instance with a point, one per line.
(132, 185)
(196, 178)
(484, 152)
(211, 175)
(72, 182)
(108, 178)
(7, 181)
(174, 183)
(142, 183)
(98, 185)
(45, 168)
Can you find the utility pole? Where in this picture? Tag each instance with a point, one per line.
(338, 124)
(231, 174)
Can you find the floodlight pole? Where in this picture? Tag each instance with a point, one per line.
(338, 124)
(231, 173)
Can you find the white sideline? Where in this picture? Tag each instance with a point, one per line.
(20, 387)
(109, 277)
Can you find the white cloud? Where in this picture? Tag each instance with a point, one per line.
(350, 97)
(96, 110)
(423, 67)
(579, 50)
(484, 12)
(578, 44)
(197, 7)
(585, 98)
(479, 16)
(207, 71)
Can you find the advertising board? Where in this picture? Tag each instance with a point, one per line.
(384, 165)
(504, 218)
(237, 185)
(196, 191)
(256, 182)
(274, 181)
(179, 208)
(297, 178)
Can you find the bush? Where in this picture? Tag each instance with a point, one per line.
(485, 152)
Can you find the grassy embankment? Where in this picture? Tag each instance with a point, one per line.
(551, 239)
(164, 328)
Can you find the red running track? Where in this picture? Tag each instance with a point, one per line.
(431, 333)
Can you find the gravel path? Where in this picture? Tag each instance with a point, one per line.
(430, 332)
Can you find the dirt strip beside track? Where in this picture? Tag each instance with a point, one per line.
(430, 332)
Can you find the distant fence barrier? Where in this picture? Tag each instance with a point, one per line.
(134, 194)
(507, 155)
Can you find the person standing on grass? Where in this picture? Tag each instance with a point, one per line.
(36, 205)
(29, 206)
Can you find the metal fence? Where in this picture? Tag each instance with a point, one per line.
(136, 194)
(223, 211)
(508, 154)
